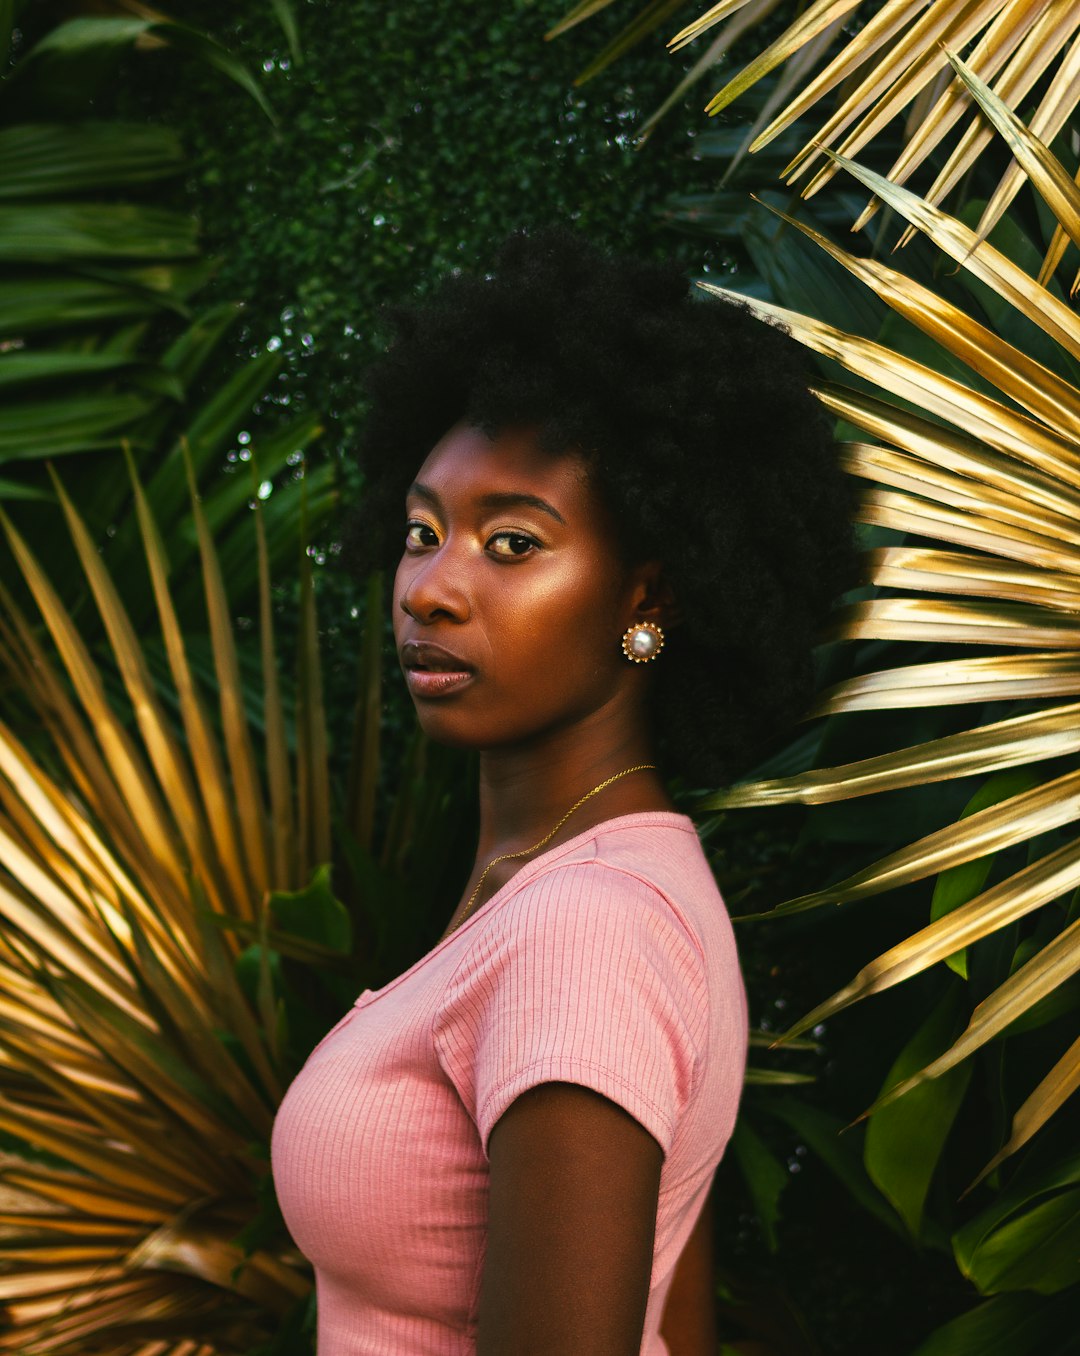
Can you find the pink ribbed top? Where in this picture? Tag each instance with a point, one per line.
(608, 961)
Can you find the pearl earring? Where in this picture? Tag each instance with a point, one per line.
(642, 641)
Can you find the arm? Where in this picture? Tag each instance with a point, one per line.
(689, 1323)
(571, 1216)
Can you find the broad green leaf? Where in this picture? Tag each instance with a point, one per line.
(19, 369)
(1036, 1179)
(1037, 1249)
(836, 1144)
(905, 1140)
(75, 57)
(765, 1177)
(1020, 1324)
(313, 913)
(1050, 967)
(36, 302)
(13, 489)
(208, 433)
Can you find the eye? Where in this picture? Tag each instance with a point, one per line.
(512, 545)
(419, 534)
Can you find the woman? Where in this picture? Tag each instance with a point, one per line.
(622, 526)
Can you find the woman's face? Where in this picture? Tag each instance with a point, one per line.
(511, 598)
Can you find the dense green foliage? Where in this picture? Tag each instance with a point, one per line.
(410, 140)
(104, 340)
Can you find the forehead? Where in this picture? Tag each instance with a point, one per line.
(467, 462)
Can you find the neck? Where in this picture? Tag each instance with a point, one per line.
(525, 790)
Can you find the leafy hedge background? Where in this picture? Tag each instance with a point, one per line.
(406, 141)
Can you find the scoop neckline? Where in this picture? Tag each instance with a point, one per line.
(672, 819)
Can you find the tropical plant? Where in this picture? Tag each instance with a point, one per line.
(171, 949)
(889, 61)
(971, 454)
(98, 343)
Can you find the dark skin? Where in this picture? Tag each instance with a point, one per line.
(512, 573)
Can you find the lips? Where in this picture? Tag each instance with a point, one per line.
(428, 657)
(432, 670)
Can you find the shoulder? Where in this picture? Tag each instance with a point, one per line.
(592, 908)
(643, 873)
(593, 928)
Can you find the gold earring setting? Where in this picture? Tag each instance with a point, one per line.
(642, 642)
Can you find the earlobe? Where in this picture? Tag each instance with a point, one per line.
(654, 601)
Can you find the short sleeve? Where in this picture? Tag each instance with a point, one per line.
(586, 975)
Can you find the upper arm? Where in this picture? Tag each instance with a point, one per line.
(574, 1181)
(688, 1326)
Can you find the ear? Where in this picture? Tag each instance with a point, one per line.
(651, 596)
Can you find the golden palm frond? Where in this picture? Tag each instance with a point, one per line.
(991, 466)
(119, 858)
(889, 60)
(896, 63)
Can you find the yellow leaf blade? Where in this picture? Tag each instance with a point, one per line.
(995, 423)
(1009, 677)
(988, 748)
(1021, 894)
(200, 738)
(1015, 820)
(1047, 970)
(1035, 158)
(980, 259)
(1051, 1094)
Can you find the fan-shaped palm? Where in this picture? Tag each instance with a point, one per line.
(990, 465)
(118, 986)
(885, 60)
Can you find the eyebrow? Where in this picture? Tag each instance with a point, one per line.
(508, 499)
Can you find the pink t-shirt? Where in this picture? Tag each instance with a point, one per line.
(608, 961)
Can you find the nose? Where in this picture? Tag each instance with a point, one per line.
(431, 587)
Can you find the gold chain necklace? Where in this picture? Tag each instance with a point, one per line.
(524, 852)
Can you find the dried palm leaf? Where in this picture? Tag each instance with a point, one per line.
(889, 60)
(990, 467)
(116, 986)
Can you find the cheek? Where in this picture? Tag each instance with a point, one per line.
(563, 627)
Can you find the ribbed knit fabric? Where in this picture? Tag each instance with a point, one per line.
(608, 961)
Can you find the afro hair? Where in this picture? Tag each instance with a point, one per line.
(698, 430)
